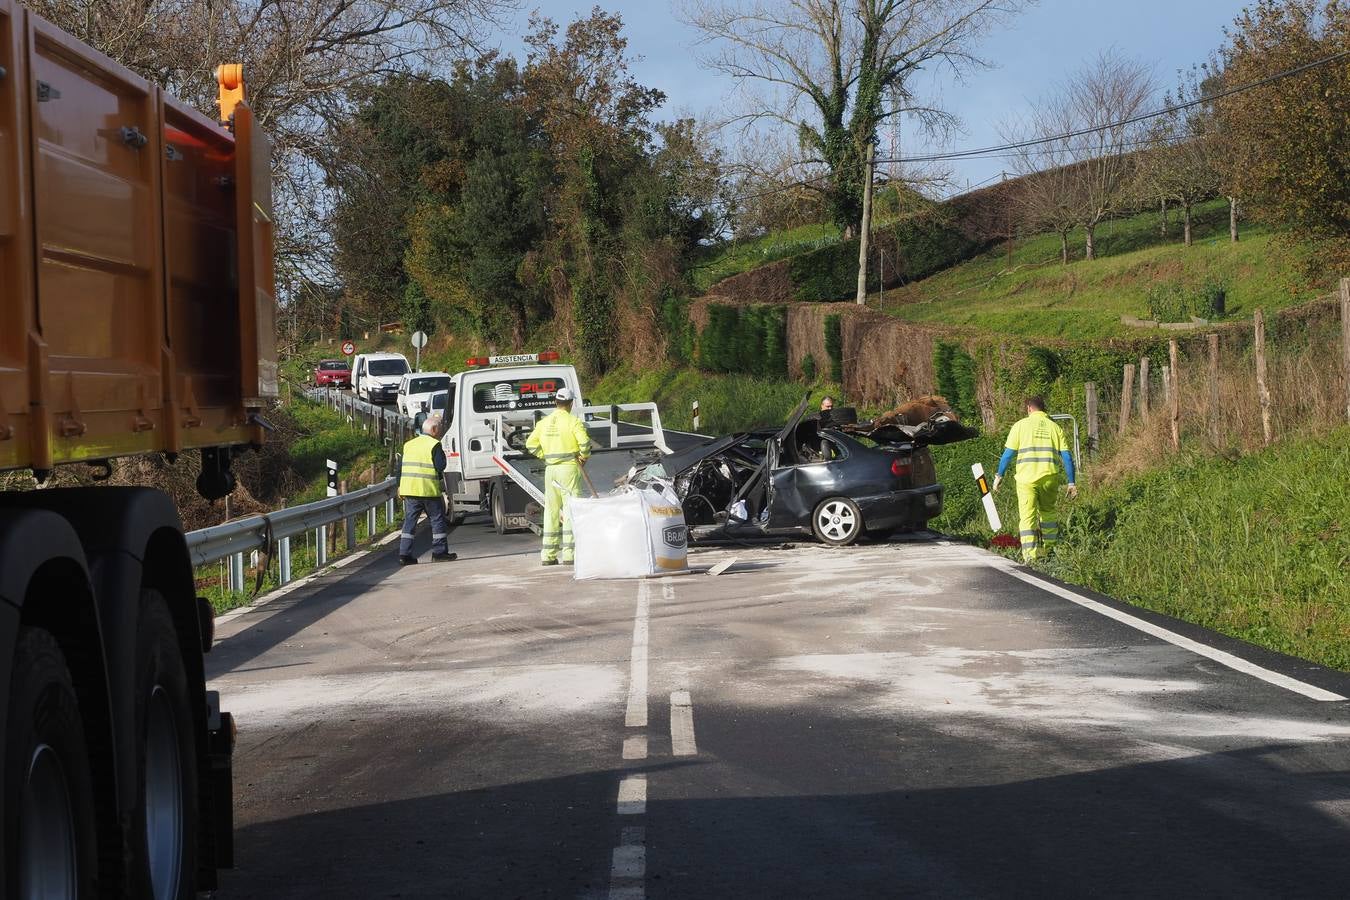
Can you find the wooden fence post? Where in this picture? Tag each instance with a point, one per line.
(1262, 388)
(1143, 388)
(1345, 341)
(1126, 397)
(1214, 390)
(1091, 390)
(1174, 393)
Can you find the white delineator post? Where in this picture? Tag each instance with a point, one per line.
(696, 416)
(986, 497)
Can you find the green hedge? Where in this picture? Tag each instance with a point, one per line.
(955, 370)
(750, 340)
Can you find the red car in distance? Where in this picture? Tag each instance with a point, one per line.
(333, 372)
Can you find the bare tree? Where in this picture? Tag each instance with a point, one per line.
(1103, 97)
(1047, 196)
(1179, 162)
(833, 71)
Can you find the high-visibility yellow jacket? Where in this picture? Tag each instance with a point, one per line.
(1038, 442)
(560, 437)
(419, 476)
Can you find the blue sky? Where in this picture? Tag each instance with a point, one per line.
(1038, 50)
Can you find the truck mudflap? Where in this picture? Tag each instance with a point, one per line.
(219, 781)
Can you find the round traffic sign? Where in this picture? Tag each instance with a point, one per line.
(348, 348)
(419, 339)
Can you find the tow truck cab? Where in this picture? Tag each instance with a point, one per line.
(503, 395)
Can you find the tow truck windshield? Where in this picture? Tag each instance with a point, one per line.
(517, 393)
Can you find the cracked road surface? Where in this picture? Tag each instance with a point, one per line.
(911, 718)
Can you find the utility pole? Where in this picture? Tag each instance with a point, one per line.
(861, 298)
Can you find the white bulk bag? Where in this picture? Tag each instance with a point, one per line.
(633, 533)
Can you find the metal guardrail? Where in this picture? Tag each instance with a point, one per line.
(233, 539)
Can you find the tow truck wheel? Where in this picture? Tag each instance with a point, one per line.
(837, 521)
(166, 757)
(51, 847)
(498, 510)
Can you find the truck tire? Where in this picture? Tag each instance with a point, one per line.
(498, 504)
(51, 845)
(166, 811)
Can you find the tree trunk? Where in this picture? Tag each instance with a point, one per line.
(1186, 210)
(1064, 248)
(1232, 219)
(1091, 251)
(1162, 218)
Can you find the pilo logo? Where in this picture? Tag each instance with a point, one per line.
(675, 536)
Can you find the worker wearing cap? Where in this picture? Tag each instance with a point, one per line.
(419, 484)
(1038, 444)
(561, 440)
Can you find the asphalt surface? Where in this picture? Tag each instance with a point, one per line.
(889, 720)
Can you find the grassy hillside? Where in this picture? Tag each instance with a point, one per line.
(1030, 293)
(742, 256)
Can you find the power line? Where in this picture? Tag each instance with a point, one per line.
(1003, 151)
(1167, 110)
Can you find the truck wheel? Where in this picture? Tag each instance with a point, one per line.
(51, 845)
(498, 510)
(837, 521)
(167, 758)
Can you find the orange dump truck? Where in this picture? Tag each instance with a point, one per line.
(136, 316)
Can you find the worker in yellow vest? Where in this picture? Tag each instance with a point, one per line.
(1037, 442)
(419, 484)
(561, 440)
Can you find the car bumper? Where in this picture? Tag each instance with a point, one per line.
(901, 509)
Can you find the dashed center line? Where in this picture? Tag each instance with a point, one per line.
(682, 725)
(636, 715)
(635, 747)
(633, 795)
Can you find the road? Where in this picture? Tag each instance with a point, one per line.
(911, 718)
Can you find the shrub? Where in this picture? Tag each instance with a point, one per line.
(955, 371)
(834, 346)
(809, 368)
(747, 339)
(1173, 301)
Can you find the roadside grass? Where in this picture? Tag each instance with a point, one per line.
(725, 260)
(1256, 547)
(1029, 292)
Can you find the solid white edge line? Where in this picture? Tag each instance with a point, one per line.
(682, 741)
(277, 593)
(1236, 663)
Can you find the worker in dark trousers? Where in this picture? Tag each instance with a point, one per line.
(419, 484)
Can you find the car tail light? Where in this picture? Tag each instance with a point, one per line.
(901, 468)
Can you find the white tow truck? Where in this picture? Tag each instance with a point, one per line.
(492, 408)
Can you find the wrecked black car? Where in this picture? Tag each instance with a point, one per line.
(822, 475)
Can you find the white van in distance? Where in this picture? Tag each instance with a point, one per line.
(416, 389)
(376, 376)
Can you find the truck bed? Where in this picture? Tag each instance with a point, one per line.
(135, 261)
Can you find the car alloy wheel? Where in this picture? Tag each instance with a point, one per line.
(837, 521)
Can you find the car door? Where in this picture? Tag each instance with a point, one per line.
(799, 485)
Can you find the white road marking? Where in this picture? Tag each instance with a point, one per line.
(682, 725)
(633, 795)
(1237, 663)
(636, 715)
(630, 861)
(635, 747)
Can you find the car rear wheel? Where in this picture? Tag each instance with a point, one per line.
(498, 510)
(837, 521)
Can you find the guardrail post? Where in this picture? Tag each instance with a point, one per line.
(321, 546)
(389, 512)
(370, 524)
(284, 561)
(350, 526)
(237, 572)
